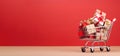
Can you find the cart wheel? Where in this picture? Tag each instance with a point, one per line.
(91, 50)
(83, 49)
(108, 49)
(101, 49)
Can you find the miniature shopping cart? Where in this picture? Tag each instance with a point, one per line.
(92, 41)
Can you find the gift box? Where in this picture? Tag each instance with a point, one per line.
(83, 24)
(103, 35)
(103, 15)
(90, 29)
(98, 21)
(98, 36)
(97, 13)
(104, 38)
(107, 23)
(99, 18)
(100, 13)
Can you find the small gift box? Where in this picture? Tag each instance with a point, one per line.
(103, 36)
(83, 24)
(98, 35)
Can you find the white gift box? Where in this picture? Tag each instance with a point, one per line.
(95, 20)
(98, 22)
(101, 23)
(91, 28)
(99, 17)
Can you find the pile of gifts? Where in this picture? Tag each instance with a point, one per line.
(88, 26)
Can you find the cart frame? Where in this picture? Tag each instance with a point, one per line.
(93, 41)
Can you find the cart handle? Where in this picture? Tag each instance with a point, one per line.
(114, 20)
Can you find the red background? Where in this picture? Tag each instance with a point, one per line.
(51, 22)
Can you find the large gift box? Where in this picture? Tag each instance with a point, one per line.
(90, 29)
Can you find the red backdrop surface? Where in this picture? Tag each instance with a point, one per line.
(51, 22)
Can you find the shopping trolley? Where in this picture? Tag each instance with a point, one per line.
(92, 41)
